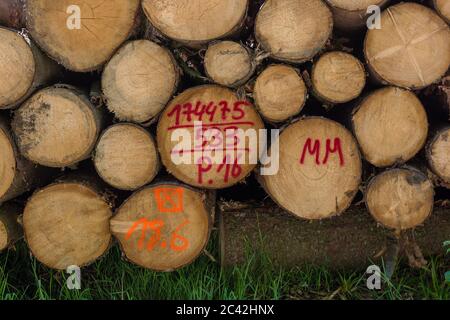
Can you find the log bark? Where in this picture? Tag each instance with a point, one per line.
(229, 63)
(338, 77)
(24, 68)
(86, 35)
(10, 230)
(11, 13)
(351, 15)
(164, 226)
(57, 127)
(293, 30)
(319, 169)
(196, 22)
(438, 154)
(279, 93)
(126, 156)
(391, 126)
(17, 175)
(408, 29)
(199, 138)
(139, 81)
(67, 222)
(351, 241)
(400, 198)
(443, 8)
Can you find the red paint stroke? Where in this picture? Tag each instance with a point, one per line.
(169, 200)
(314, 150)
(212, 125)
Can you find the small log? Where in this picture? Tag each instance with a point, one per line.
(438, 154)
(399, 53)
(67, 223)
(229, 63)
(196, 22)
(338, 77)
(164, 226)
(350, 241)
(81, 34)
(139, 81)
(126, 156)
(17, 175)
(280, 93)
(400, 198)
(351, 15)
(293, 30)
(24, 68)
(12, 13)
(391, 126)
(198, 138)
(443, 8)
(10, 230)
(319, 169)
(57, 127)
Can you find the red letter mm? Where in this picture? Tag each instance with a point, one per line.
(336, 147)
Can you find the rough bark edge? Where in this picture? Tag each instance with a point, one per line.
(9, 214)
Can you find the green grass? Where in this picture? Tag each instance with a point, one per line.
(22, 277)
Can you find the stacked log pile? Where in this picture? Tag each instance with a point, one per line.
(160, 112)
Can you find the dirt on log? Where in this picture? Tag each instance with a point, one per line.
(350, 241)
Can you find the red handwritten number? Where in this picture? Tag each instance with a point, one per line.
(238, 108)
(179, 238)
(312, 150)
(177, 112)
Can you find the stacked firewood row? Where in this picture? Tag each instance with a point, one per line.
(97, 99)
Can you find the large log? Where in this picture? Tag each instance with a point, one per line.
(10, 229)
(139, 81)
(391, 126)
(280, 93)
(24, 68)
(293, 30)
(57, 127)
(126, 156)
(399, 53)
(164, 226)
(196, 22)
(201, 138)
(319, 169)
(17, 175)
(338, 77)
(352, 240)
(400, 198)
(81, 34)
(67, 223)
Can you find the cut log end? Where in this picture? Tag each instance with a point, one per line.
(399, 54)
(280, 93)
(163, 227)
(126, 157)
(57, 127)
(438, 154)
(67, 224)
(443, 8)
(139, 81)
(293, 30)
(17, 65)
(10, 230)
(85, 38)
(400, 198)
(7, 162)
(229, 63)
(195, 22)
(319, 169)
(391, 126)
(338, 77)
(194, 134)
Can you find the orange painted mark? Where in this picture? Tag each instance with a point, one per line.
(169, 200)
(177, 241)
